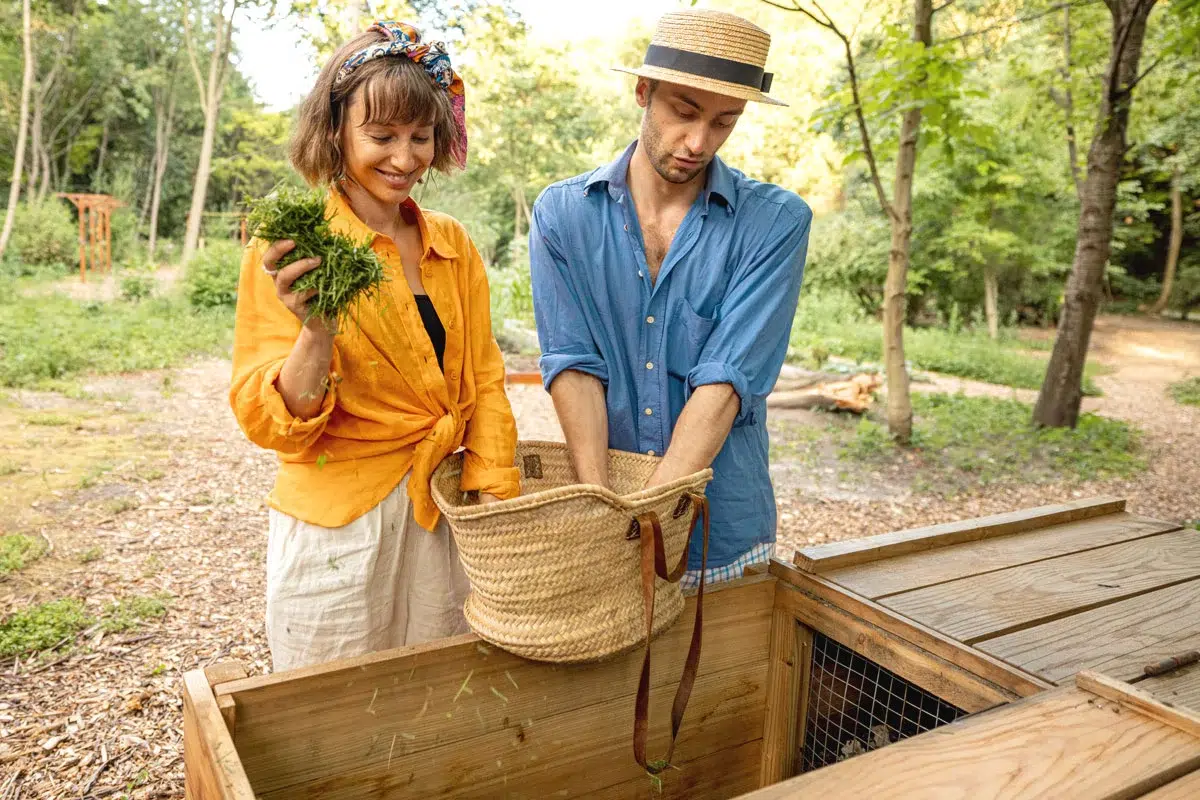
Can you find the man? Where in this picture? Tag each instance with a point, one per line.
(665, 285)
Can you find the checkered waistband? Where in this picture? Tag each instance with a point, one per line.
(759, 554)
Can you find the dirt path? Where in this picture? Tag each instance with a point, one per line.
(178, 512)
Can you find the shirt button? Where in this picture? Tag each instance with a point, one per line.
(649, 320)
(649, 365)
(627, 227)
(640, 273)
(649, 412)
(649, 452)
(453, 375)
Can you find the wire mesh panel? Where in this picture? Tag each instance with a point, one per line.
(855, 705)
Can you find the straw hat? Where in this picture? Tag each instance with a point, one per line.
(712, 51)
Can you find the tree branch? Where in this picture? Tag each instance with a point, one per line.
(943, 5)
(1019, 20)
(1147, 71)
(863, 131)
(191, 51)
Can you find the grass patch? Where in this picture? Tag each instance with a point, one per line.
(826, 326)
(17, 550)
(42, 626)
(983, 440)
(119, 505)
(1187, 392)
(90, 555)
(100, 337)
(51, 420)
(125, 614)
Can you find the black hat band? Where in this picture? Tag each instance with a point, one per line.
(705, 66)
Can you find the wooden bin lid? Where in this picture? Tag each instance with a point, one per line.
(1100, 738)
(1051, 590)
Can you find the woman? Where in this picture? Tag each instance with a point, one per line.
(358, 558)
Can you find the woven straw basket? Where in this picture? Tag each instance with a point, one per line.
(557, 573)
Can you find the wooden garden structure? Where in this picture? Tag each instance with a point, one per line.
(1040, 653)
(95, 230)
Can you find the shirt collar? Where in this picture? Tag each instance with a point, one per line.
(719, 181)
(343, 220)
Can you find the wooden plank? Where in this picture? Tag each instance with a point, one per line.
(1011, 681)
(1178, 689)
(211, 767)
(836, 555)
(983, 607)
(1186, 788)
(223, 672)
(565, 755)
(927, 568)
(932, 673)
(717, 776)
(1117, 639)
(342, 716)
(1057, 744)
(1143, 702)
(789, 641)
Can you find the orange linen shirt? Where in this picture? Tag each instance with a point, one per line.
(388, 408)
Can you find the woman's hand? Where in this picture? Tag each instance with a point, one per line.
(295, 302)
(485, 498)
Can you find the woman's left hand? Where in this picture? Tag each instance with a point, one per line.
(485, 498)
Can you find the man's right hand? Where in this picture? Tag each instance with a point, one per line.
(295, 302)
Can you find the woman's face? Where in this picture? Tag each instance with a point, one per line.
(385, 159)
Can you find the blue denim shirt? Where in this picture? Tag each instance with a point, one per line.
(721, 311)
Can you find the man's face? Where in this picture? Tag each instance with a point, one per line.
(683, 128)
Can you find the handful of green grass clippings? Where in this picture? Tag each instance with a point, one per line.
(349, 272)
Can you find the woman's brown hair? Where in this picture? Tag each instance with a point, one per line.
(394, 89)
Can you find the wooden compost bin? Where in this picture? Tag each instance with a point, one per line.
(926, 636)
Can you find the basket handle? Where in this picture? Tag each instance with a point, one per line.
(654, 562)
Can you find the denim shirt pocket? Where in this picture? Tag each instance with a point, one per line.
(686, 337)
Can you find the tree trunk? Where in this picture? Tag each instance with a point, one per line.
(98, 178)
(35, 147)
(162, 145)
(1068, 103)
(211, 96)
(991, 292)
(14, 189)
(1062, 390)
(1173, 249)
(899, 401)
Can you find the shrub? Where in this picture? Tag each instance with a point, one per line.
(212, 276)
(46, 235)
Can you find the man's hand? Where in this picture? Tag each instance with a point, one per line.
(485, 498)
(700, 433)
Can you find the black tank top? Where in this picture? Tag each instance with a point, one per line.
(433, 326)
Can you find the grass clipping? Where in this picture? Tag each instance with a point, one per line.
(350, 272)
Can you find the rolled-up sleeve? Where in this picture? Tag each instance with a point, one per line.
(749, 342)
(490, 440)
(264, 334)
(566, 343)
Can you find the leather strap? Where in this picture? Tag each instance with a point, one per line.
(654, 563)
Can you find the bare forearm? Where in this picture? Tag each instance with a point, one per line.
(699, 434)
(302, 380)
(580, 404)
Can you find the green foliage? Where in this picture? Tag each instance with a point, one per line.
(42, 626)
(832, 323)
(211, 280)
(349, 273)
(100, 337)
(962, 441)
(1187, 392)
(17, 550)
(125, 614)
(46, 235)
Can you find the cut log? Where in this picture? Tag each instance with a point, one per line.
(854, 395)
